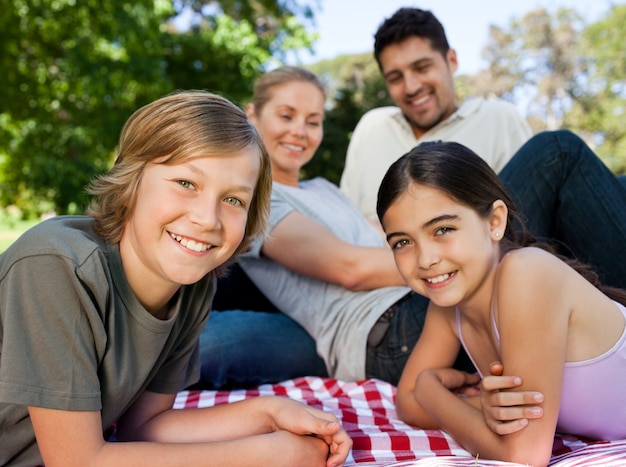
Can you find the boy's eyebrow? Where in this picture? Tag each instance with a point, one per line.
(433, 221)
(200, 172)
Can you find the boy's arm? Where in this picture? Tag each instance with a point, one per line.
(246, 433)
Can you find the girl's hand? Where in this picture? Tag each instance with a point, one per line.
(507, 412)
(456, 381)
(300, 419)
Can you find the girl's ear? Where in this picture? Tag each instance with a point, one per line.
(498, 219)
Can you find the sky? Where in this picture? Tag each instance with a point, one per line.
(348, 26)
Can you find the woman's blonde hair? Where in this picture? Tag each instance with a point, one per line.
(181, 125)
(264, 86)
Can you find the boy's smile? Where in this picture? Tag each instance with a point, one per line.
(189, 218)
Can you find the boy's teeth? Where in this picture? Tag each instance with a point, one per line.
(191, 244)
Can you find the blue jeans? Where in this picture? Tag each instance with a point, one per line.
(568, 195)
(561, 188)
(248, 348)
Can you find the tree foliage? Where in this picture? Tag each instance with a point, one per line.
(354, 86)
(600, 108)
(73, 72)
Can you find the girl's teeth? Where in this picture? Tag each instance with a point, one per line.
(436, 280)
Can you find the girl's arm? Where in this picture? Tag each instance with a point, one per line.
(437, 347)
(532, 312)
(250, 432)
(306, 247)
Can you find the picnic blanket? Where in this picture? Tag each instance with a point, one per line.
(366, 410)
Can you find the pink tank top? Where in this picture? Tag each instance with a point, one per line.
(593, 397)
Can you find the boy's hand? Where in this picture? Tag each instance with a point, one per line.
(301, 419)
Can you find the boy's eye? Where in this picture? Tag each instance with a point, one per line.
(185, 184)
(233, 201)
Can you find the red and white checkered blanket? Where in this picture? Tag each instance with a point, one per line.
(367, 412)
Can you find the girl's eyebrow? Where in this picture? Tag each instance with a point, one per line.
(425, 225)
(443, 217)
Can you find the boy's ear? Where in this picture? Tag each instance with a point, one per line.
(498, 219)
(250, 111)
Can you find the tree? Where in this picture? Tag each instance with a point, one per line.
(600, 106)
(537, 61)
(73, 72)
(354, 86)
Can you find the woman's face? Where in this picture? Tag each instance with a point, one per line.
(290, 124)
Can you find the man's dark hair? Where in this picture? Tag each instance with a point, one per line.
(410, 22)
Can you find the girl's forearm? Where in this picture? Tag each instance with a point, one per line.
(462, 420)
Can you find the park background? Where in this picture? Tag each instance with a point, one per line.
(72, 72)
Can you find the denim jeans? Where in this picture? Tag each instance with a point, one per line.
(386, 360)
(567, 194)
(247, 348)
(561, 188)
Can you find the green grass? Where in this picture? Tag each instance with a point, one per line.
(11, 229)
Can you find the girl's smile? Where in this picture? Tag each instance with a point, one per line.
(442, 248)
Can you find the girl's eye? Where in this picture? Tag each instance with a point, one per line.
(400, 244)
(285, 117)
(315, 124)
(186, 184)
(233, 201)
(443, 230)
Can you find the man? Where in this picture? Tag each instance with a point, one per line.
(418, 65)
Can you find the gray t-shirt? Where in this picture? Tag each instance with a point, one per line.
(73, 336)
(338, 319)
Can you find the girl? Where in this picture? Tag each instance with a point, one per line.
(100, 314)
(492, 291)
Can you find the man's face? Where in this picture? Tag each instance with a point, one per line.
(420, 81)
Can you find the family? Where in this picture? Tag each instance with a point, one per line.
(458, 252)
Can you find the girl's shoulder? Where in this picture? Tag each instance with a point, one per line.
(529, 260)
(533, 269)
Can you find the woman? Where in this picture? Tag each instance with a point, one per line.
(503, 297)
(323, 264)
(100, 314)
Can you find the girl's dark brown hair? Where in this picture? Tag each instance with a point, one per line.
(464, 176)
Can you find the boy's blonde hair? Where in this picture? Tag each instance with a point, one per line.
(181, 125)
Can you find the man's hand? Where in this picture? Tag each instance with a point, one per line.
(508, 411)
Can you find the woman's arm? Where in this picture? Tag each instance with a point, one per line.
(306, 247)
(250, 432)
